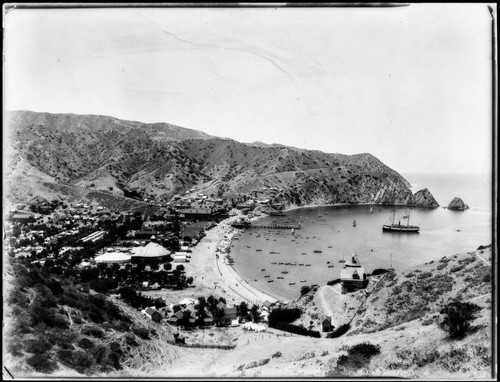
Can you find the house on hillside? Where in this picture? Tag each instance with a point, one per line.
(153, 314)
(175, 318)
(229, 315)
(209, 319)
(326, 324)
(267, 305)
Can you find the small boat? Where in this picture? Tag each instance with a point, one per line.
(267, 276)
(328, 262)
(331, 266)
(354, 223)
(303, 281)
(330, 246)
(284, 272)
(259, 250)
(262, 270)
(287, 263)
(280, 263)
(301, 264)
(308, 265)
(304, 253)
(317, 251)
(270, 281)
(272, 252)
(279, 277)
(274, 262)
(291, 283)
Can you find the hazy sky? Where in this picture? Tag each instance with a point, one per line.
(411, 85)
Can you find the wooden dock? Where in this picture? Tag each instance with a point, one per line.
(275, 226)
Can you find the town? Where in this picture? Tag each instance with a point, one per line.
(128, 254)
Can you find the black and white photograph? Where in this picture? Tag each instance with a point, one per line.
(249, 191)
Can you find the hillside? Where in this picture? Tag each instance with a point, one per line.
(55, 325)
(405, 325)
(157, 161)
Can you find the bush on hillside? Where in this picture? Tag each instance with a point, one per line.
(342, 329)
(305, 290)
(42, 363)
(357, 357)
(38, 346)
(379, 271)
(333, 282)
(284, 315)
(457, 318)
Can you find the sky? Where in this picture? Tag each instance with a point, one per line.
(411, 85)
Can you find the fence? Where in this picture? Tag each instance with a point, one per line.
(202, 346)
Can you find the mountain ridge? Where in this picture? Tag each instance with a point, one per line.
(160, 160)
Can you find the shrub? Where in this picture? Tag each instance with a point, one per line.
(333, 282)
(38, 346)
(93, 331)
(115, 347)
(284, 315)
(79, 360)
(486, 278)
(342, 329)
(441, 266)
(42, 363)
(141, 332)
(85, 343)
(456, 268)
(358, 356)
(276, 355)
(305, 290)
(379, 271)
(366, 349)
(457, 318)
(15, 348)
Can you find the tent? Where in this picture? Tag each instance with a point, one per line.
(187, 301)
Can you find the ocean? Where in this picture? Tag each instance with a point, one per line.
(311, 254)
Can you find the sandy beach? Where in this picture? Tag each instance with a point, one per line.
(212, 272)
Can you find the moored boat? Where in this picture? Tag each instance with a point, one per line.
(400, 227)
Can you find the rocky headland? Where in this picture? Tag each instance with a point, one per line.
(80, 156)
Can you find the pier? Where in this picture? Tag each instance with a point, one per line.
(267, 226)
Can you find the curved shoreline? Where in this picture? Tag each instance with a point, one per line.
(211, 270)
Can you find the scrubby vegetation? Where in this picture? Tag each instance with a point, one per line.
(358, 356)
(58, 320)
(457, 318)
(282, 319)
(341, 330)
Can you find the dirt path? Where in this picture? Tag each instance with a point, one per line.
(324, 303)
(483, 259)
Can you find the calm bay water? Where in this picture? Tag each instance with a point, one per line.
(258, 252)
